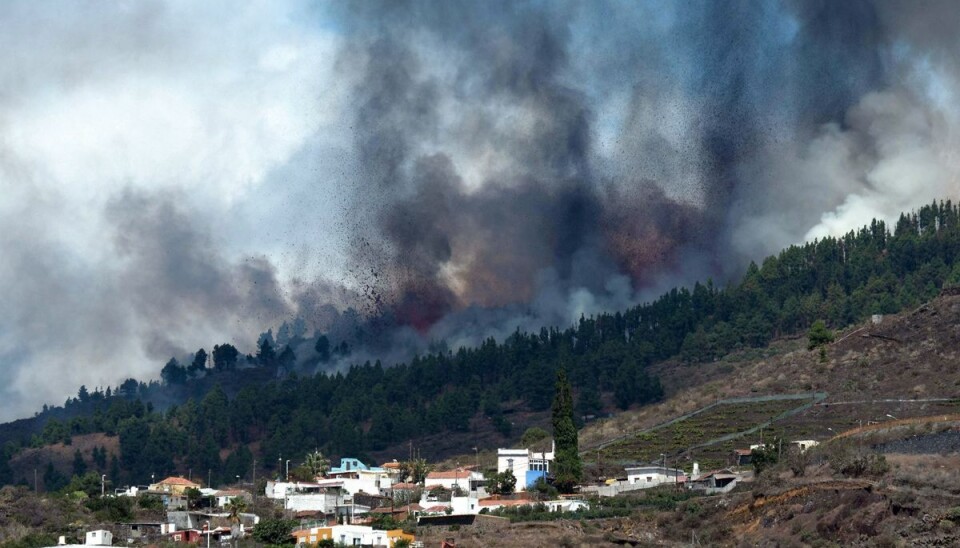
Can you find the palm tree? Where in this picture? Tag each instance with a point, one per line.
(318, 464)
(235, 507)
(415, 469)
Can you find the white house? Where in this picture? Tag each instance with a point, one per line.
(348, 535)
(313, 502)
(369, 479)
(527, 466)
(654, 475)
(465, 505)
(803, 445)
(370, 485)
(282, 489)
(467, 480)
(224, 497)
(567, 505)
(130, 491)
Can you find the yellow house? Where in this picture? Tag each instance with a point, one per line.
(393, 535)
(312, 535)
(174, 485)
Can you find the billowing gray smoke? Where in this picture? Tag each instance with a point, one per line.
(515, 155)
(176, 175)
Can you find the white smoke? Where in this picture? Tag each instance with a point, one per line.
(117, 117)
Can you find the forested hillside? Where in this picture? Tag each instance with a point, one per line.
(369, 406)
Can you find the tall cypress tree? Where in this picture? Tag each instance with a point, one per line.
(568, 470)
(79, 466)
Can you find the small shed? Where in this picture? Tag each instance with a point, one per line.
(99, 537)
(742, 457)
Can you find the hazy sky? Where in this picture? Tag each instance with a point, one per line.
(180, 174)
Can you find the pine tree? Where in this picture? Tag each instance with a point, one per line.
(568, 470)
(79, 466)
(819, 335)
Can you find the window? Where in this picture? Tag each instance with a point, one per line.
(510, 464)
(649, 479)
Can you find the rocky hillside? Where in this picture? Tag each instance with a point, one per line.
(874, 372)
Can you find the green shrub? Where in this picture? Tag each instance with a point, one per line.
(274, 531)
(32, 540)
(112, 509)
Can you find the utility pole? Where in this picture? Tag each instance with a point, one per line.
(254, 479)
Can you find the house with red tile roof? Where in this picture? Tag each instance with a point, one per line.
(174, 485)
(466, 480)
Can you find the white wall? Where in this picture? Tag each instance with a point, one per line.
(347, 534)
(366, 484)
(519, 458)
(465, 505)
(521, 463)
(99, 538)
(279, 489)
(567, 505)
(651, 477)
(320, 502)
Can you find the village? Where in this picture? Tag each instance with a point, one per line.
(355, 504)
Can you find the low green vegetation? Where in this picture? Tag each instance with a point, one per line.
(711, 424)
(540, 512)
(623, 505)
(274, 531)
(819, 335)
(501, 483)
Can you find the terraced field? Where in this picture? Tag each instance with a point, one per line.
(707, 437)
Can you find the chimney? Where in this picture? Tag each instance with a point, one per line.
(696, 470)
